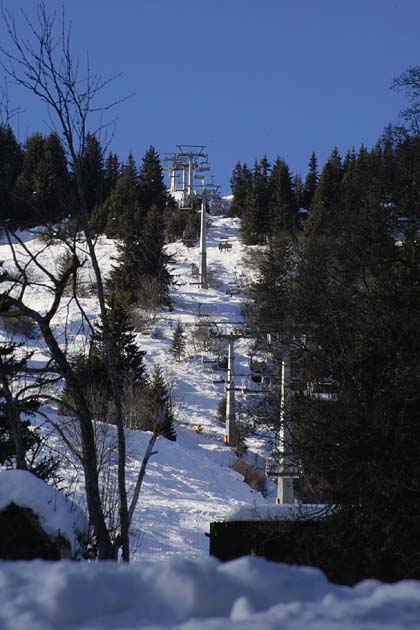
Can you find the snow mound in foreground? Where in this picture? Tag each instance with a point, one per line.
(57, 514)
(246, 594)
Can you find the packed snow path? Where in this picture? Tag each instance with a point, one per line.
(190, 484)
(195, 390)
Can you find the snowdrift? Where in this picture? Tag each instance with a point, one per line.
(58, 515)
(246, 594)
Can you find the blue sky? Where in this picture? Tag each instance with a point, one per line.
(244, 77)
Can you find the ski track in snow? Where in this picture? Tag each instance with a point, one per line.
(188, 483)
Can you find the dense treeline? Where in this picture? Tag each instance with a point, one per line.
(131, 204)
(342, 291)
(269, 200)
(124, 202)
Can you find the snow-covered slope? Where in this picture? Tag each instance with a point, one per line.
(188, 483)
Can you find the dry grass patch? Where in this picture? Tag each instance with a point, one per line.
(253, 476)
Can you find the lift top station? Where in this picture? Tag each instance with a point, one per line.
(188, 163)
(184, 166)
(187, 168)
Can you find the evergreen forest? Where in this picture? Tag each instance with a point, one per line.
(338, 291)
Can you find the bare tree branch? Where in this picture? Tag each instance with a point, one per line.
(44, 65)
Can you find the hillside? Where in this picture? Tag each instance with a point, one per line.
(188, 483)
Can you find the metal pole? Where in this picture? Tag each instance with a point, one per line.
(173, 180)
(190, 176)
(231, 430)
(285, 489)
(184, 191)
(203, 249)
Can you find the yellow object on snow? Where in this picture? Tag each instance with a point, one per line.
(198, 428)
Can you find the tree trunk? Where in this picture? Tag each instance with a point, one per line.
(90, 467)
(113, 376)
(142, 472)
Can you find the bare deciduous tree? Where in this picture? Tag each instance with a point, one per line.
(44, 65)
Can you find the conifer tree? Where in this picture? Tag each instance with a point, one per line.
(152, 189)
(128, 356)
(92, 171)
(354, 297)
(323, 218)
(159, 406)
(283, 201)
(34, 150)
(311, 182)
(183, 225)
(297, 187)
(142, 257)
(16, 437)
(270, 294)
(91, 369)
(11, 157)
(102, 219)
(264, 192)
(387, 171)
(129, 167)
(122, 209)
(249, 219)
(192, 224)
(41, 190)
(56, 179)
(178, 342)
(28, 188)
(112, 171)
(142, 228)
(155, 262)
(407, 159)
(255, 225)
(241, 184)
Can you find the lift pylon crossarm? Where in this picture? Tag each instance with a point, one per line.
(192, 149)
(246, 390)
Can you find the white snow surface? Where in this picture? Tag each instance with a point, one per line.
(245, 594)
(286, 512)
(57, 514)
